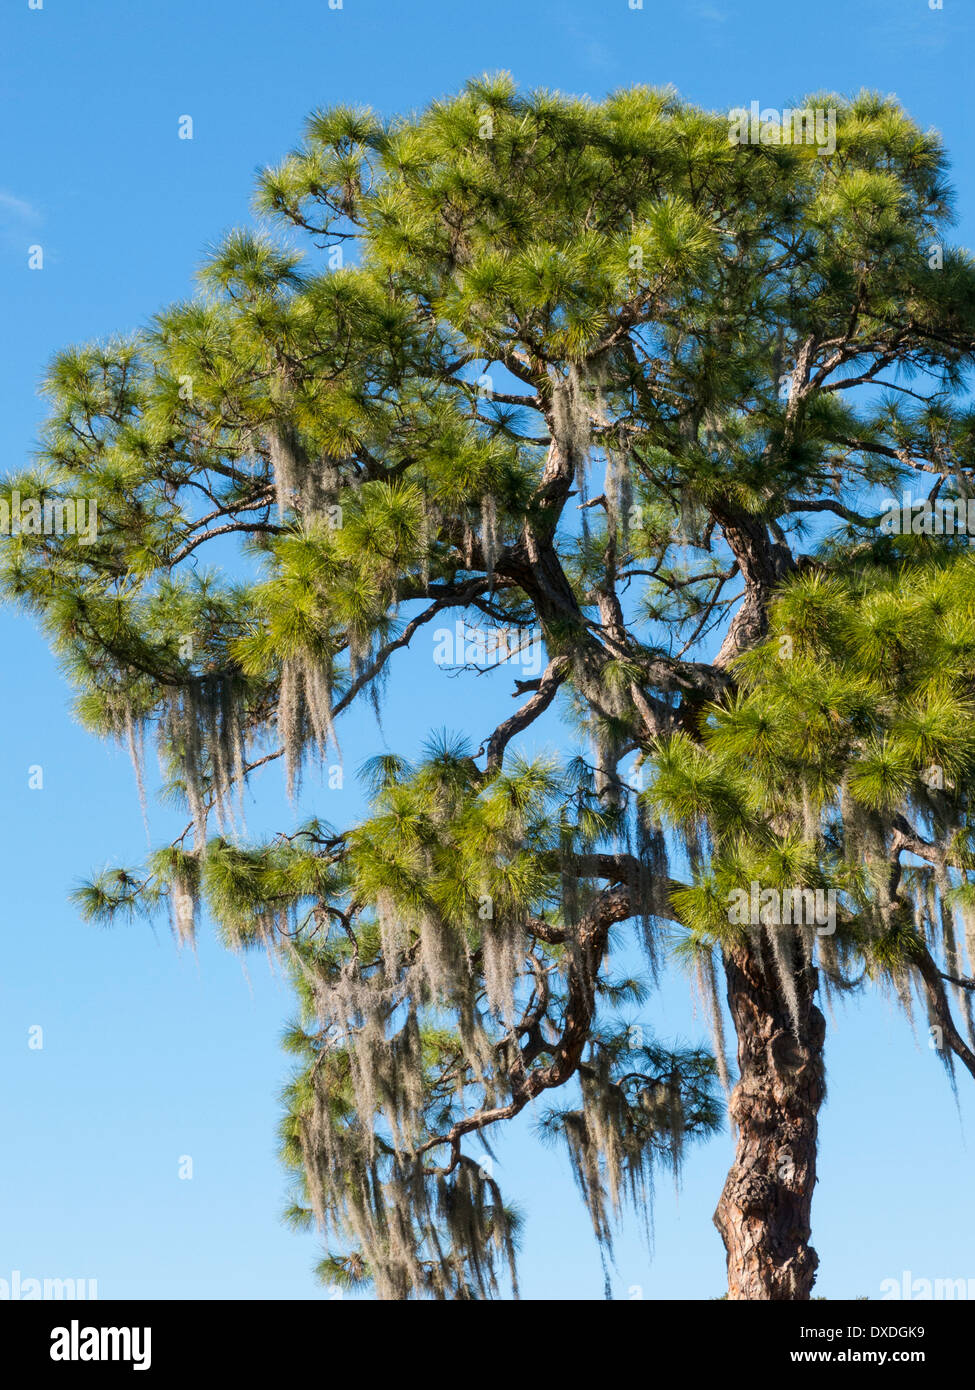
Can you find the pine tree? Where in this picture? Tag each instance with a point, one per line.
(595, 369)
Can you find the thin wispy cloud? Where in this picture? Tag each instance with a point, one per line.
(20, 209)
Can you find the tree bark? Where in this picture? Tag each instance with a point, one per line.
(764, 1211)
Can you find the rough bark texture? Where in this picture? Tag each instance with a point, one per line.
(763, 1214)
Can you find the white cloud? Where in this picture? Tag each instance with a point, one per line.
(19, 208)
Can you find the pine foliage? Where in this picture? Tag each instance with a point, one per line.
(549, 362)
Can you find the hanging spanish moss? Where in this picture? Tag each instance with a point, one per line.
(624, 1127)
(618, 483)
(605, 1159)
(783, 941)
(651, 854)
(694, 838)
(903, 981)
(288, 466)
(203, 729)
(572, 424)
(503, 949)
(427, 533)
(606, 754)
(490, 545)
(130, 731)
(810, 814)
(309, 486)
(609, 706)
(183, 905)
(304, 714)
(707, 981)
(440, 1013)
(422, 1229)
(619, 491)
(135, 741)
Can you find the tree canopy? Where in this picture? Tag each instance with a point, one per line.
(591, 368)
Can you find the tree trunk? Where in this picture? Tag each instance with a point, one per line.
(763, 1214)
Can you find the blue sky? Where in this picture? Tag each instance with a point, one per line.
(150, 1055)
